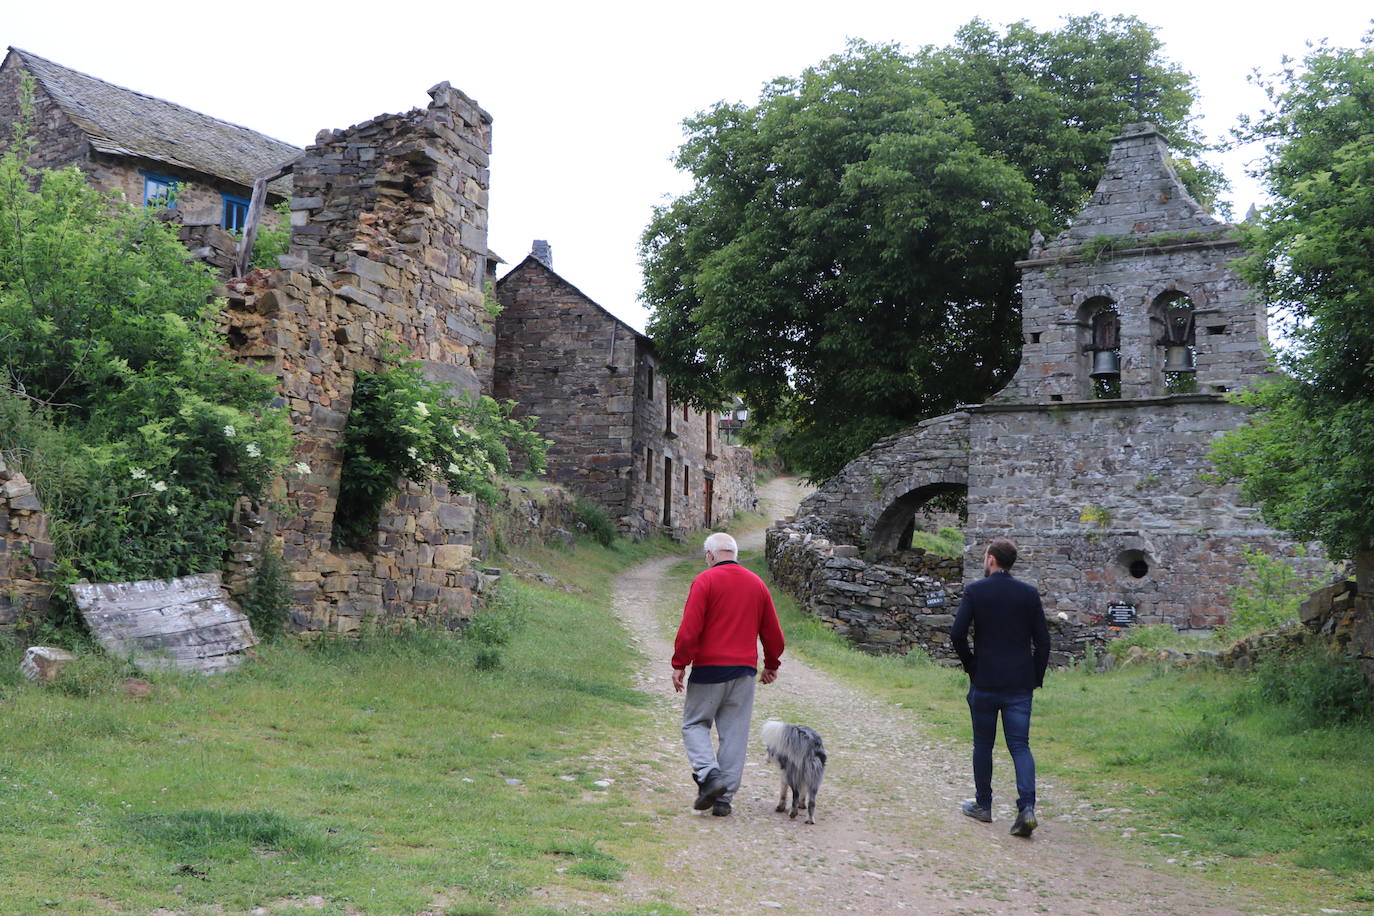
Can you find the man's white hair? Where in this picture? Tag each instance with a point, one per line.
(720, 542)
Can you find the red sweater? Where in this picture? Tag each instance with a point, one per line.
(728, 612)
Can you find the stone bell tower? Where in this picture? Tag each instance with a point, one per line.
(1137, 298)
(1135, 327)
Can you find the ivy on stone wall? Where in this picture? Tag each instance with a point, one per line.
(405, 427)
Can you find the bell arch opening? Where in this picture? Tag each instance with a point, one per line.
(896, 526)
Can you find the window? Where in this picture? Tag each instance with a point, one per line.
(235, 213)
(159, 190)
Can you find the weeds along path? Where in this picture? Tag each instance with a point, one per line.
(889, 836)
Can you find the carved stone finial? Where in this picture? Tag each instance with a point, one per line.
(1037, 243)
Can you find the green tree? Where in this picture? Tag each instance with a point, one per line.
(1305, 455)
(845, 258)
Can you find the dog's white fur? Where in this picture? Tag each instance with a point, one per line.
(800, 755)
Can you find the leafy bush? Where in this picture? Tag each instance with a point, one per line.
(1322, 688)
(595, 521)
(272, 241)
(117, 398)
(1267, 597)
(404, 426)
(267, 602)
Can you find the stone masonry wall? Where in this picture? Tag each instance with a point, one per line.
(870, 501)
(906, 602)
(382, 251)
(57, 141)
(562, 358)
(592, 381)
(26, 553)
(1086, 489)
(1156, 242)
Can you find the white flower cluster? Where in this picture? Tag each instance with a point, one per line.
(253, 450)
(230, 432)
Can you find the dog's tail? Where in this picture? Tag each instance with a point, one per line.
(772, 736)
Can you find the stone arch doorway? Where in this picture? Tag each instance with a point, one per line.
(893, 530)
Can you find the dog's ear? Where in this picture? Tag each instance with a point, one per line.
(820, 754)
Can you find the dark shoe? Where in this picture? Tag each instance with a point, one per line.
(720, 808)
(1025, 822)
(712, 788)
(977, 812)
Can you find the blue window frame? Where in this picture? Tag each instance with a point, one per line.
(159, 190)
(235, 212)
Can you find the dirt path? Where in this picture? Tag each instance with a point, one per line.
(889, 836)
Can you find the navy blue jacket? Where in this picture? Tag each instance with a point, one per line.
(1008, 622)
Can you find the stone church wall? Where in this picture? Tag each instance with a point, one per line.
(1088, 489)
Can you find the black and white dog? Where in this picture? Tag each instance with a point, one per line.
(801, 756)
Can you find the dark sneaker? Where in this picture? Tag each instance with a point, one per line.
(720, 808)
(1025, 822)
(713, 786)
(977, 812)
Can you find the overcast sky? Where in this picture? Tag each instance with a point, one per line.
(588, 98)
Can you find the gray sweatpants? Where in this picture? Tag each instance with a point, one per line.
(728, 705)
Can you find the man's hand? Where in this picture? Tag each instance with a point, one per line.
(769, 676)
(678, 675)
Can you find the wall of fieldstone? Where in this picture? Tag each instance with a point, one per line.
(26, 553)
(563, 359)
(907, 601)
(388, 246)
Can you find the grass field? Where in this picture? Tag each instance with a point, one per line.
(380, 775)
(1192, 761)
(428, 773)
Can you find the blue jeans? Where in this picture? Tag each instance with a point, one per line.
(1015, 706)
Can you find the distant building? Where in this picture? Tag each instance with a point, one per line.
(618, 436)
(155, 152)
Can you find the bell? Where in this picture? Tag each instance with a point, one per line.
(1106, 364)
(1178, 358)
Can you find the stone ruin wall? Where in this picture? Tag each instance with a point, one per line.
(26, 553)
(388, 244)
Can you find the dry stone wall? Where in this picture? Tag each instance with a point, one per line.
(905, 602)
(26, 553)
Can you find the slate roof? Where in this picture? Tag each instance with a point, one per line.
(122, 122)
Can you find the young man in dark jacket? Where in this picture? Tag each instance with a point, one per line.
(728, 613)
(1008, 661)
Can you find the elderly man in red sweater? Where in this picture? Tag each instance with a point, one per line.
(728, 612)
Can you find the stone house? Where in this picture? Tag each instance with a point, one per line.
(1094, 457)
(154, 152)
(618, 437)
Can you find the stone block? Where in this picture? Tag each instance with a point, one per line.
(44, 664)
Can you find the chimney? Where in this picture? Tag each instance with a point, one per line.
(543, 252)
